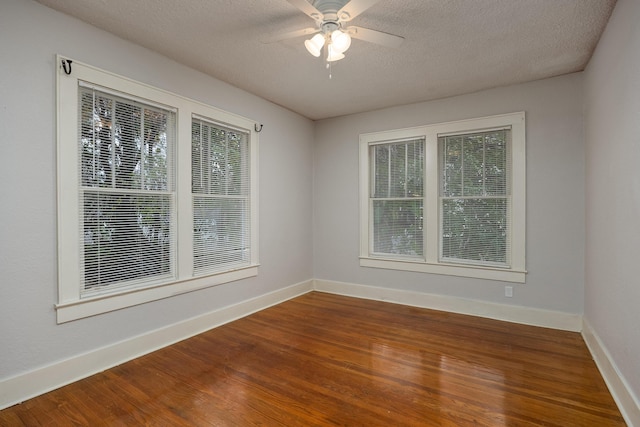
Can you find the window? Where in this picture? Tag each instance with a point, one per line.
(142, 213)
(446, 198)
(221, 232)
(397, 198)
(474, 197)
(127, 192)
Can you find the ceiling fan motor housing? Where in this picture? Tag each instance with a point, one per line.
(329, 5)
(330, 8)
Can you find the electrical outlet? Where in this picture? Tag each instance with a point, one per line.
(508, 291)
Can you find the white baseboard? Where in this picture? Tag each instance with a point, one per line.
(628, 404)
(36, 382)
(509, 313)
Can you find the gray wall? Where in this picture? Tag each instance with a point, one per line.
(30, 36)
(555, 194)
(612, 133)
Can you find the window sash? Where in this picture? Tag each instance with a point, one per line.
(127, 197)
(220, 197)
(474, 199)
(396, 203)
(461, 240)
(397, 227)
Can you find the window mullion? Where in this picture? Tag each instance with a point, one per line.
(432, 200)
(184, 194)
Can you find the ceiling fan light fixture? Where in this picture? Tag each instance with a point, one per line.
(340, 41)
(333, 32)
(314, 44)
(333, 54)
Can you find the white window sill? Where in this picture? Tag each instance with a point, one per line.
(489, 273)
(78, 309)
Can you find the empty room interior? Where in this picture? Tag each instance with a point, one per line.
(320, 212)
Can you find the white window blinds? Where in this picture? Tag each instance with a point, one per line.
(475, 197)
(221, 203)
(397, 198)
(127, 192)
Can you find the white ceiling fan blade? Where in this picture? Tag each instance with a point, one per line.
(290, 35)
(307, 8)
(354, 8)
(373, 36)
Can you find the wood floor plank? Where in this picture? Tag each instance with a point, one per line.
(323, 359)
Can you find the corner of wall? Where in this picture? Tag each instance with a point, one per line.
(628, 404)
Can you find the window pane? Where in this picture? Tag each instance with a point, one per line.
(398, 166)
(398, 169)
(475, 229)
(496, 163)
(95, 139)
(236, 167)
(473, 165)
(126, 238)
(123, 144)
(415, 169)
(451, 166)
(219, 160)
(397, 227)
(126, 145)
(221, 233)
(153, 171)
(381, 170)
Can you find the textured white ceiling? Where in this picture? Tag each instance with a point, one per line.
(451, 47)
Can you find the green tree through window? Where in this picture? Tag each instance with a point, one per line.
(474, 197)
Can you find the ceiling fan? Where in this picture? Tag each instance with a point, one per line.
(332, 31)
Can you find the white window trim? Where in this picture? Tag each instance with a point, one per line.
(70, 305)
(430, 263)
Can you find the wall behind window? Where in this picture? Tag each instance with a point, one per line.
(555, 194)
(31, 35)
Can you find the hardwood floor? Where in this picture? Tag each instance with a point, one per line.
(323, 359)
